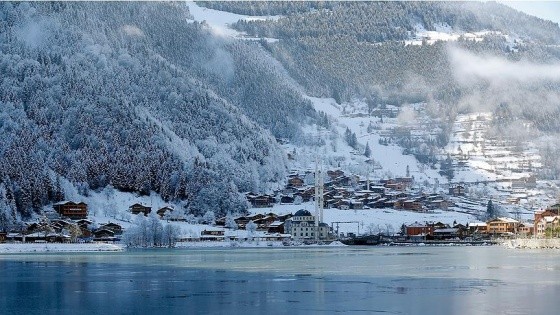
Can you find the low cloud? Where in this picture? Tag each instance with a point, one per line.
(469, 68)
(132, 30)
(528, 88)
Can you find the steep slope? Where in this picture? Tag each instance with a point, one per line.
(457, 57)
(99, 94)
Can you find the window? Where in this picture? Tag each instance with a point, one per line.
(306, 234)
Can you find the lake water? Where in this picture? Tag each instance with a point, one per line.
(357, 280)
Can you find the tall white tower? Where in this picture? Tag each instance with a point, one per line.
(319, 183)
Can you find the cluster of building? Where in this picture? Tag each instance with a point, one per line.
(301, 226)
(68, 222)
(546, 223)
(63, 231)
(346, 192)
(79, 210)
(497, 227)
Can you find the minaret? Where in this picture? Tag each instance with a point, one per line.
(319, 183)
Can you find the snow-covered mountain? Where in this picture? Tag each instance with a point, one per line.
(197, 102)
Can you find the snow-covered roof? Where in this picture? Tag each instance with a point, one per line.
(478, 224)
(550, 219)
(507, 220)
(417, 224)
(275, 224)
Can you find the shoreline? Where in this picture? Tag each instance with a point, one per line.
(250, 244)
(28, 248)
(532, 243)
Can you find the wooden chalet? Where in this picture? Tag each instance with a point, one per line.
(334, 174)
(83, 222)
(260, 201)
(212, 235)
(437, 204)
(86, 233)
(263, 223)
(458, 190)
(396, 186)
(276, 227)
(295, 182)
(116, 228)
(71, 209)
(410, 204)
(138, 208)
(161, 211)
(103, 235)
(287, 199)
(37, 227)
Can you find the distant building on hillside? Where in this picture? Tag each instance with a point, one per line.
(138, 208)
(458, 190)
(71, 209)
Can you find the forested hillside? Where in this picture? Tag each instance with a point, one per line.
(134, 96)
(406, 52)
(348, 49)
(140, 97)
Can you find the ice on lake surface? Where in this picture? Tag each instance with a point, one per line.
(393, 280)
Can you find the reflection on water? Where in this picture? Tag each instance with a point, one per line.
(456, 280)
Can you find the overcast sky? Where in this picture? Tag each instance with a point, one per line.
(548, 10)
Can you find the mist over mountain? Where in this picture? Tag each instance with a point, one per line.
(139, 97)
(457, 57)
(135, 96)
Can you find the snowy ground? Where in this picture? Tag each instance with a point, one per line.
(58, 248)
(445, 33)
(372, 220)
(389, 161)
(486, 163)
(487, 166)
(220, 21)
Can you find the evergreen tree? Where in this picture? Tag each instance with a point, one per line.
(490, 210)
(367, 151)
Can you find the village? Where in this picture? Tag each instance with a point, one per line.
(68, 222)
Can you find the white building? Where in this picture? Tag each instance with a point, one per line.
(302, 226)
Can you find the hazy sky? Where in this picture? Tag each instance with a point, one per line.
(548, 10)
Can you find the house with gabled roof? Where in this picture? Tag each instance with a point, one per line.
(72, 210)
(502, 225)
(139, 208)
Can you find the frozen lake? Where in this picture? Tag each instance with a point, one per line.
(360, 280)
